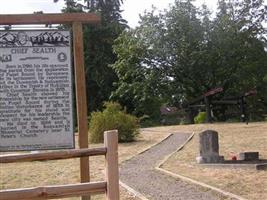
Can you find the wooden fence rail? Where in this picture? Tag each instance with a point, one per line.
(56, 155)
(54, 192)
(110, 186)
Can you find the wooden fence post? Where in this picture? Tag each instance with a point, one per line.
(112, 167)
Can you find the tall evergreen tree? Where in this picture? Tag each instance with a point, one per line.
(98, 41)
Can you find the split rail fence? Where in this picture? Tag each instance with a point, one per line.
(110, 186)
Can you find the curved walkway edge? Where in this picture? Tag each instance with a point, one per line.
(134, 192)
(180, 181)
(175, 175)
(225, 193)
(139, 173)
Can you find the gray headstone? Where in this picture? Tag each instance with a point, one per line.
(209, 147)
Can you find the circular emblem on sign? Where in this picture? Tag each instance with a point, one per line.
(22, 38)
(62, 57)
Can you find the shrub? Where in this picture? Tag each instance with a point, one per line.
(200, 118)
(113, 117)
(146, 121)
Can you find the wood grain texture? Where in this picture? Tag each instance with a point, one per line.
(53, 18)
(53, 192)
(81, 103)
(112, 168)
(55, 155)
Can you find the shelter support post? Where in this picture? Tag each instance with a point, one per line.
(242, 109)
(208, 109)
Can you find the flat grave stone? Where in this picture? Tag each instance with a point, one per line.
(249, 156)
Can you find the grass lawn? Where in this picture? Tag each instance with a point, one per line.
(233, 138)
(21, 175)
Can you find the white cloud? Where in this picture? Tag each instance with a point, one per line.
(133, 8)
(29, 6)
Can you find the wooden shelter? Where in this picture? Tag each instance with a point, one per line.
(208, 101)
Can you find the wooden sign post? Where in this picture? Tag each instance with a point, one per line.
(76, 20)
(81, 97)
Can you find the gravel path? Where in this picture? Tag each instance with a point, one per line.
(140, 174)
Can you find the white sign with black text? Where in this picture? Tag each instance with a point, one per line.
(36, 105)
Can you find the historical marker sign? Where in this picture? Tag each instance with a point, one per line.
(36, 90)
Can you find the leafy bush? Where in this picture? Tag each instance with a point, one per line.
(184, 121)
(200, 118)
(113, 117)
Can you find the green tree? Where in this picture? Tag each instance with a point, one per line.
(98, 41)
(190, 52)
(137, 86)
(239, 45)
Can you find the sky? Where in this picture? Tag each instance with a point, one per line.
(131, 8)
